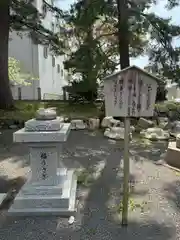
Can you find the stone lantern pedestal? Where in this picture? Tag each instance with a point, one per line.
(49, 189)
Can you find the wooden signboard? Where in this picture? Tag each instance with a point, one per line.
(130, 93)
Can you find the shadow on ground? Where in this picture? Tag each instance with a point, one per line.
(96, 218)
(172, 193)
(150, 150)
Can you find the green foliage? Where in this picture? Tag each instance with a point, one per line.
(25, 110)
(15, 74)
(92, 27)
(132, 205)
(13, 69)
(172, 3)
(26, 18)
(80, 91)
(163, 56)
(161, 92)
(168, 109)
(84, 178)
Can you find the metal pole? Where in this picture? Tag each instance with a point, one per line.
(126, 172)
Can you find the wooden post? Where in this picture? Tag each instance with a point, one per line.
(39, 93)
(126, 172)
(64, 94)
(19, 93)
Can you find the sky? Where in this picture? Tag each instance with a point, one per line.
(159, 9)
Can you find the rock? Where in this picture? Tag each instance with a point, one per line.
(115, 133)
(155, 134)
(77, 124)
(173, 115)
(132, 129)
(109, 122)
(175, 128)
(159, 162)
(106, 122)
(34, 125)
(164, 123)
(66, 120)
(144, 123)
(46, 114)
(93, 123)
(114, 123)
(71, 220)
(13, 126)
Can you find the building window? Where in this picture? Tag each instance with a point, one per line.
(45, 52)
(58, 68)
(62, 73)
(44, 10)
(53, 61)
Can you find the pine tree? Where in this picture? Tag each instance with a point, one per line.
(96, 52)
(92, 28)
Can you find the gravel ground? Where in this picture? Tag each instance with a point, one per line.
(154, 192)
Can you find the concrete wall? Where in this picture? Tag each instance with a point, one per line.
(29, 92)
(51, 80)
(22, 49)
(32, 61)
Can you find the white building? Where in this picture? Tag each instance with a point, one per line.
(39, 61)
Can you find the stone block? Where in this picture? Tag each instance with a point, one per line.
(48, 190)
(77, 124)
(155, 134)
(115, 133)
(94, 123)
(39, 137)
(49, 203)
(144, 123)
(173, 155)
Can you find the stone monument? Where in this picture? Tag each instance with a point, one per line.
(49, 189)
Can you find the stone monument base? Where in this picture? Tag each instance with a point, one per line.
(173, 155)
(47, 199)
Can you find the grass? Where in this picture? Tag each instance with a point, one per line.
(26, 110)
(84, 177)
(132, 205)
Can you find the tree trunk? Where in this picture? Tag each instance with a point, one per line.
(6, 100)
(123, 33)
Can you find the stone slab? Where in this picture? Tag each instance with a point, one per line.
(56, 181)
(43, 125)
(46, 114)
(62, 204)
(39, 137)
(44, 163)
(173, 155)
